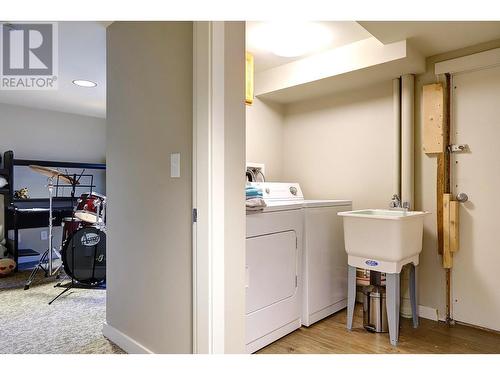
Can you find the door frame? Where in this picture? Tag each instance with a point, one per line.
(218, 257)
(208, 335)
(476, 61)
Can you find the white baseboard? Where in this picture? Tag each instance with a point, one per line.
(123, 341)
(427, 312)
(441, 317)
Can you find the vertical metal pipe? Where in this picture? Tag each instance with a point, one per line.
(407, 169)
(396, 105)
(407, 139)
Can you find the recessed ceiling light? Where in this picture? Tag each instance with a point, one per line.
(84, 83)
(290, 39)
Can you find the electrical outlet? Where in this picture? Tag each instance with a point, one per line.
(43, 235)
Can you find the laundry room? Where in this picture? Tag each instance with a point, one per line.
(334, 119)
(249, 187)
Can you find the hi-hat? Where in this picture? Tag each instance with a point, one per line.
(50, 172)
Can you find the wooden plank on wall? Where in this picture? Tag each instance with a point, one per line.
(249, 70)
(443, 167)
(447, 256)
(439, 197)
(433, 118)
(454, 225)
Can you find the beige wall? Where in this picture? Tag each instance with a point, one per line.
(49, 135)
(150, 104)
(340, 146)
(432, 282)
(264, 132)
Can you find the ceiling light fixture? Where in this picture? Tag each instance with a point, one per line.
(290, 39)
(84, 83)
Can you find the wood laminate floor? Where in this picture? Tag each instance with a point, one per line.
(331, 336)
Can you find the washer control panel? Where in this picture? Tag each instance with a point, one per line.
(279, 190)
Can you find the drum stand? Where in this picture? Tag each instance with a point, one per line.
(74, 285)
(46, 261)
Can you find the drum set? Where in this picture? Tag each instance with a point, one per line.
(83, 246)
(84, 240)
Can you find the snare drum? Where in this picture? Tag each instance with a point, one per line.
(90, 207)
(69, 226)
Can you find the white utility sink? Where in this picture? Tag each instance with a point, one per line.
(383, 240)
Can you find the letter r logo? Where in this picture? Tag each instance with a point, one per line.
(27, 49)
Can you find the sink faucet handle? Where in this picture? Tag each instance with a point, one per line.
(395, 201)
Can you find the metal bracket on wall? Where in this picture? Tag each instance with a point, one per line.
(458, 148)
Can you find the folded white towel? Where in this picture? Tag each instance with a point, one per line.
(255, 204)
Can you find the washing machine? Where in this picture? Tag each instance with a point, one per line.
(279, 299)
(324, 288)
(273, 267)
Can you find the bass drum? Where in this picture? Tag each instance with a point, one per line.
(70, 225)
(84, 256)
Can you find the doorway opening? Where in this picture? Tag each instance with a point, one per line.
(53, 194)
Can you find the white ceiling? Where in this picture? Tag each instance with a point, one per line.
(432, 38)
(428, 37)
(82, 55)
(344, 32)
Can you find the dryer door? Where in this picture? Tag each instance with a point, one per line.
(272, 263)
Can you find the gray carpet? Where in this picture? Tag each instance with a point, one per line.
(72, 324)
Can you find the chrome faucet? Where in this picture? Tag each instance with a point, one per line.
(397, 204)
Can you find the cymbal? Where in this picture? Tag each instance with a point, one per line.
(50, 172)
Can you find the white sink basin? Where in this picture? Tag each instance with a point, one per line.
(383, 240)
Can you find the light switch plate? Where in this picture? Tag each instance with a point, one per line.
(175, 165)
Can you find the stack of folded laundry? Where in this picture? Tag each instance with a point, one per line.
(254, 201)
